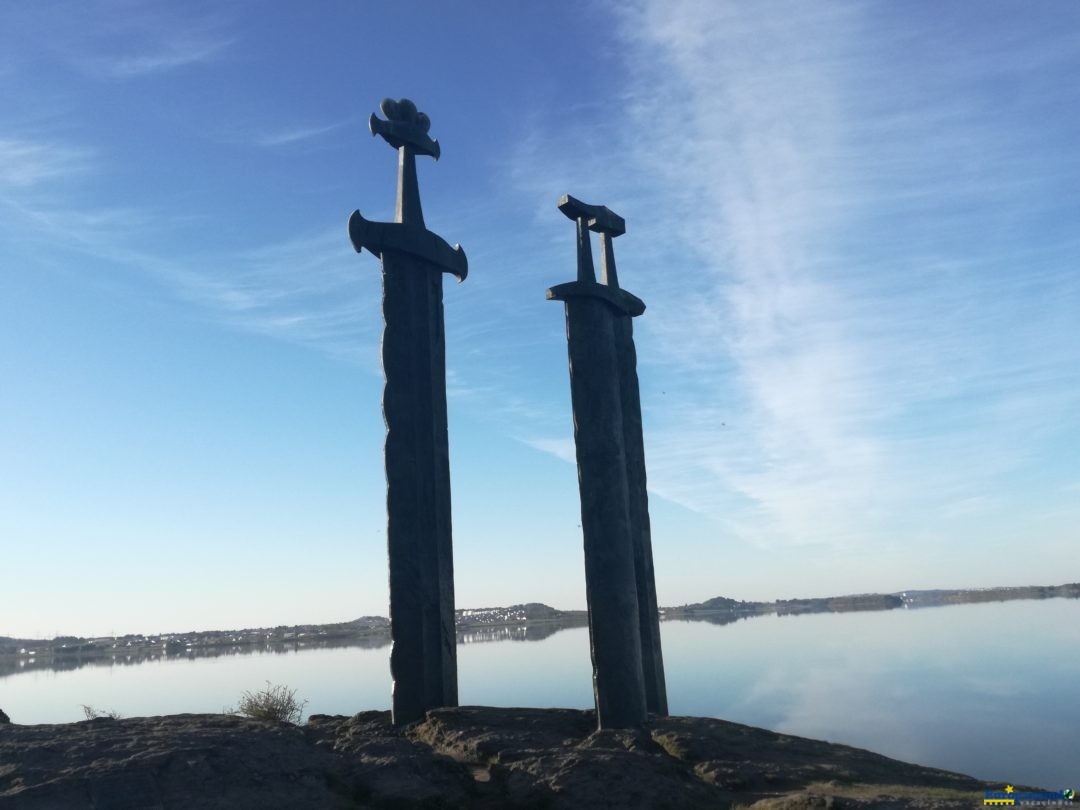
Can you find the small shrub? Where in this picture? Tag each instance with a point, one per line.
(276, 703)
(93, 714)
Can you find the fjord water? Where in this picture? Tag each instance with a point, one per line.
(992, 690)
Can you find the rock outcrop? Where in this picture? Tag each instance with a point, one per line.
(469, 757)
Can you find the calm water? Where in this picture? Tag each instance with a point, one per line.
(991, 690)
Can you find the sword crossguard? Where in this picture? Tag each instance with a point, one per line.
(405, 238)
(404, 126)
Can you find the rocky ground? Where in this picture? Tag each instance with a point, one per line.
(469, 757)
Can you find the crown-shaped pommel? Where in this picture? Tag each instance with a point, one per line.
(404, 126)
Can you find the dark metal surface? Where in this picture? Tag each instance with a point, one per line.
(610, 225)
(652, 659)
(423, 658)
(610, 584)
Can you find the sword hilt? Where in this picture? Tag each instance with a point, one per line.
(406, 129)
(608, 224)
(604, 221)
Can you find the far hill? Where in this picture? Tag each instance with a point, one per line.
(971, 596)
(722, 610)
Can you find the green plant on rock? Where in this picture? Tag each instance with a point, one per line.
(276, 703)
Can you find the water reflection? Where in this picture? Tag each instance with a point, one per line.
(523, 632)
(984, 689)
(719, 618)
(66, 660)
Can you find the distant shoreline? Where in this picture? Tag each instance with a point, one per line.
(527, 622)
(722, 610)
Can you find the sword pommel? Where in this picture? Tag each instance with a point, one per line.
(600, 218)
(404, 126)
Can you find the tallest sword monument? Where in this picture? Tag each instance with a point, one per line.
(423, 659)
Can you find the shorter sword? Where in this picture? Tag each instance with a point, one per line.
(610, 580)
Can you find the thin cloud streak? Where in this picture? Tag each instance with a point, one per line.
(169, 55)
(294, 135)
(121, 40)
(26, 162)
(823, 368)
(303, 290)
(748, 170)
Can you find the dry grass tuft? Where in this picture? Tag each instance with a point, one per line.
(275, 704)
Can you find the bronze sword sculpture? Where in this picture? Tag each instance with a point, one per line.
(423, 658)
(614, 514)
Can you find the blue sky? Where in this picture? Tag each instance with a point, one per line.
(855, 226)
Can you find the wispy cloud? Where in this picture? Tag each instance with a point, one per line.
(304, 290)
(124, 40)
(26, 162)
(560, 448)
(833, 364)
(294, 135)
(165, 55)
